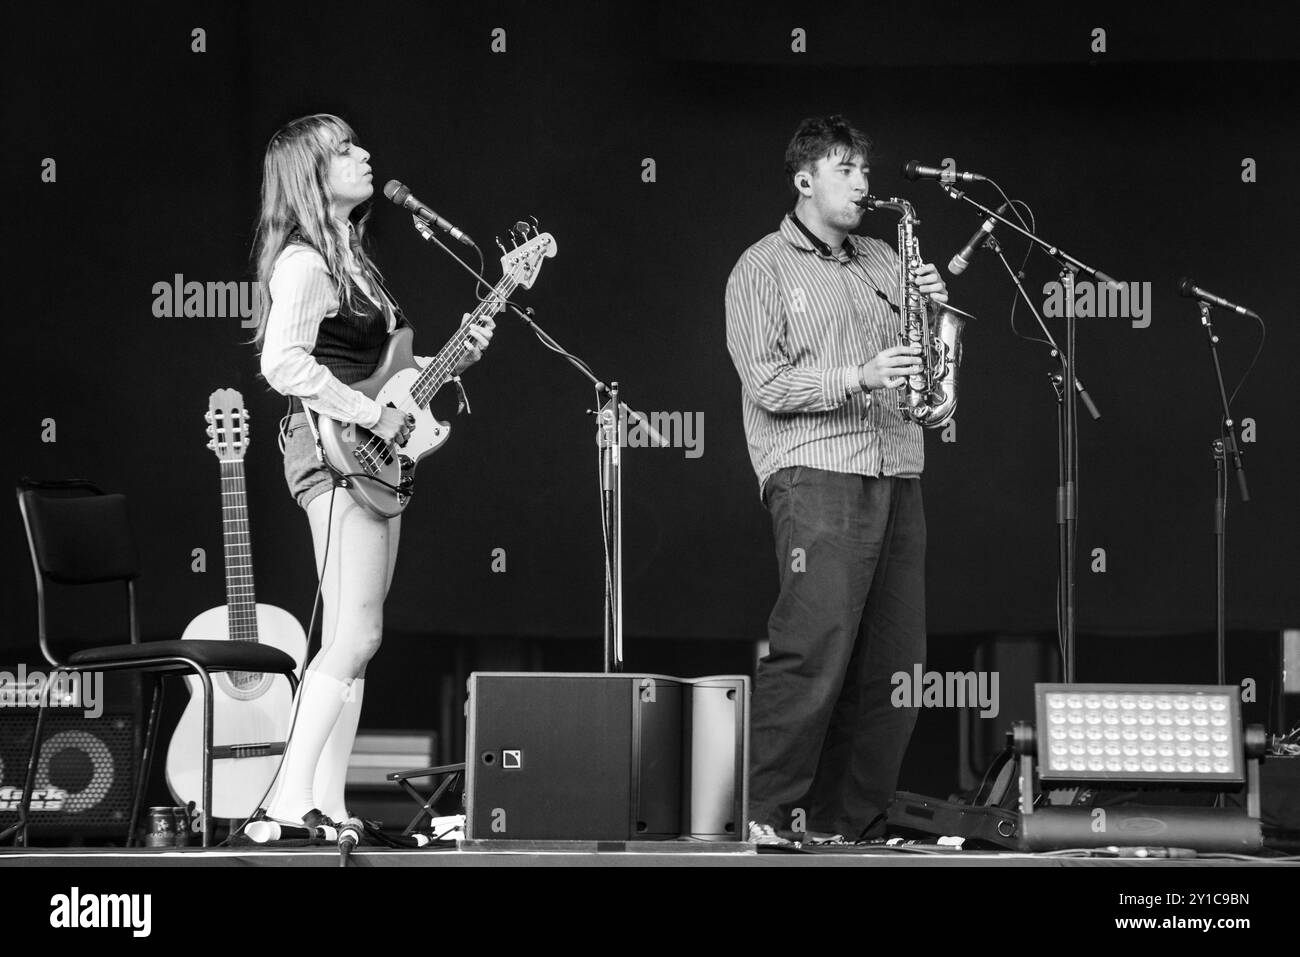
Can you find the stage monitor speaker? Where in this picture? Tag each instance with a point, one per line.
(603, 757)
(716, 735)
(85, 774)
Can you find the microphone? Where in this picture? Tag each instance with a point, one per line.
(400, 195)
(1192, 291)
(957, 265)
(914, 170)
(350, 835)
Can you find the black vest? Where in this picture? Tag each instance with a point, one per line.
(350, 342)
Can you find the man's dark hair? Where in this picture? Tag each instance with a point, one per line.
(821, 136)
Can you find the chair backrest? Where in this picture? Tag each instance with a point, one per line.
(78, 539)
(77, 535)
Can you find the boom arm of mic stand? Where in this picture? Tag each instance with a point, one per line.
(611, 478)
(542, 334)
(1229, 425)
(996, 247)
(1054, 251)
(633, 416)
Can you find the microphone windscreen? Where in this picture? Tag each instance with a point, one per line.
(396, 191)
(1185, 286)
(909, 169)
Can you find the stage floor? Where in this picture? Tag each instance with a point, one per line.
(535, 854)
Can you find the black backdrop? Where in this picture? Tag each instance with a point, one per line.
(1131, 159)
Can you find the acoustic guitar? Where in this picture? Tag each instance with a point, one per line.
(250, 711)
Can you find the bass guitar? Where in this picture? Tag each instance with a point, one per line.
(381, 476)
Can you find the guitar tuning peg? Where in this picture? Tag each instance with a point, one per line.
(536, 228)
(497, 239)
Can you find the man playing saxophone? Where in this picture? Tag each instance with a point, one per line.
(813, 330)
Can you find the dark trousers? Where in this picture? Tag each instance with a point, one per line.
(826, 742)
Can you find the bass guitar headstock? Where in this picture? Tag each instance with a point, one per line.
(523, 263)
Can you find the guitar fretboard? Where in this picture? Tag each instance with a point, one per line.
(437, 372)
(241, 601)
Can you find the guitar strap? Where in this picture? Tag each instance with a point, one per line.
(340, 479)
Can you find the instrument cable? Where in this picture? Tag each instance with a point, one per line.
(1263, 331)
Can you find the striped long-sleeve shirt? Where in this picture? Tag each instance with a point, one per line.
(302, 296)
(801, 319)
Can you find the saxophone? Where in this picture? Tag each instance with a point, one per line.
(930, 397)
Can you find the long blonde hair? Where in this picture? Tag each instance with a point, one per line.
(295, 205)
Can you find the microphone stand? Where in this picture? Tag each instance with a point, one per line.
(1067, 509)
(612, 419)
(1064, 463)
(1222, 447)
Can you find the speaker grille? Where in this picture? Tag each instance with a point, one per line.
(84, 777)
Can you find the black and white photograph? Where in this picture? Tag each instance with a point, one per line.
(523, 440)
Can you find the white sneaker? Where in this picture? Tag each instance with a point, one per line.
(764, 835)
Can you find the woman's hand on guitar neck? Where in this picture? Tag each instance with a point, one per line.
(393, 425)
(476, 340)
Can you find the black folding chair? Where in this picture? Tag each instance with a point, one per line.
(80, 536)
(452, 775)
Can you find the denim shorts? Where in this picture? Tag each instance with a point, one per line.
(303, 473)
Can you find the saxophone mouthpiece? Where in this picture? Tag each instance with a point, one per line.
(869, 203)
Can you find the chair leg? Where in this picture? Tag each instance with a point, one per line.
(146, 759)
(25, 805)
(207, 756)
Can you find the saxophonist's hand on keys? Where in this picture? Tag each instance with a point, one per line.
(889, 367)
(929, 282)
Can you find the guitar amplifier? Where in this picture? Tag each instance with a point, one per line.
(86, 770)
(604, 757)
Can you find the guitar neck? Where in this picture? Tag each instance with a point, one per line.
(241, 601)
(437, 372)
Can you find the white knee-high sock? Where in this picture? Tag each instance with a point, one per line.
(322, 699)
(332, 768)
